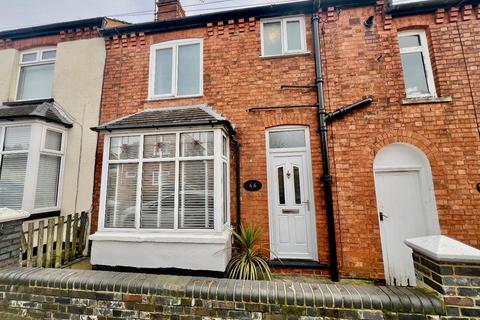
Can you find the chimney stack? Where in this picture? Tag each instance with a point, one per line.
(168, 10)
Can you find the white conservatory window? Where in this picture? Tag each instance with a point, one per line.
(283, 36)
(416, 65)
(176, 69)
(35, 80)
(165, 180)
(31, 166)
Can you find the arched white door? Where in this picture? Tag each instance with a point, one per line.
(406, 207)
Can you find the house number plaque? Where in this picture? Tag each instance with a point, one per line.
(252, 185)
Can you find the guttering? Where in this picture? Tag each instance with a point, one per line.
(51, 29)
(226, 123)
(326, 177)
(300, 7)
(426, 6)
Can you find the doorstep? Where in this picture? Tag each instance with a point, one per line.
(297, 263)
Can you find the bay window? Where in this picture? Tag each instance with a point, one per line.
(166, 181)
(31, 164)
(35, 80)
(176, 69)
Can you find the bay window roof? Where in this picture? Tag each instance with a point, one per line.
(46, 109)
(168, 117)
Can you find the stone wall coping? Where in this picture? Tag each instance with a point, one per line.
(443, 248)
(7, 214)
(283, 293)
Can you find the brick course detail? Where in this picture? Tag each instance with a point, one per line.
(75, 294)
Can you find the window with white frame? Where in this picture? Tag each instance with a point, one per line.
(31, 165)
(283, 36)
(35, 79)
(416, 65)
(167, 180)
(176, 69)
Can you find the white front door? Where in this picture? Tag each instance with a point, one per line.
(292, 222)
(401, 216)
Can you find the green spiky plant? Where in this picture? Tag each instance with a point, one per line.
(248, 263)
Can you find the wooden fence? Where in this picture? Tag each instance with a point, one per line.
(60, 241)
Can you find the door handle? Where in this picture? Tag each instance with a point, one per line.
(382, 215)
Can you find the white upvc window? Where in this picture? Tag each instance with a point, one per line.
(31, 166)
(283, 36)
(176, 69)
(416, 64)
(165, 181)
(35, 76)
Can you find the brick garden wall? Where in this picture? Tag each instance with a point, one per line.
(73, 294)
(357, 62)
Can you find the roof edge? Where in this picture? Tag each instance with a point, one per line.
(425, 6)
(51, 29)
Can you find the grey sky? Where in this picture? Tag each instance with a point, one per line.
(25, 13)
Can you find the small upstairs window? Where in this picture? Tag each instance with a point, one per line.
(283, 36)
(176, 69)
(35, 79)
(416, 65)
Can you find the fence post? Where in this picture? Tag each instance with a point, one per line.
(67, 237)
(50, 233)
(59, 243)
(41, 228)
(83, 224)
(30, 245)
(75, 236)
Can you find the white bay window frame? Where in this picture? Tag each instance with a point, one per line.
(38, 132)
(174, 45)
(217, 158)
(283, 33)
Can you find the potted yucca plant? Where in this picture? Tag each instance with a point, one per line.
(248, 263)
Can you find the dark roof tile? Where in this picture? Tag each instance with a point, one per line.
(46, 110)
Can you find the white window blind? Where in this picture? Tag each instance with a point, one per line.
(176, 69)
(12, 178)
(47, 181)
(14, 158)
(168, 199)
(36, 74)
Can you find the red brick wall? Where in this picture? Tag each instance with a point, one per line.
(235, 78)
(360, 62)
(357, 62)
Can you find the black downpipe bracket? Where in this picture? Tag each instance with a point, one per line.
(326, 177)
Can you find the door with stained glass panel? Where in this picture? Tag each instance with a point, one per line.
(292, 222)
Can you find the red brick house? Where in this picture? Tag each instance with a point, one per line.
(210, 120)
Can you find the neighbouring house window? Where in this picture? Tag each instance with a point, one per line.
(416, 65)
(35, 79)
(283, 36)
(31, 160)
(176, 69)
(166, 181)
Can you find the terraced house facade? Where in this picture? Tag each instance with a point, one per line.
(214, 120)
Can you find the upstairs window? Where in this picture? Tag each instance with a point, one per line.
(176, 69)
(283, 36)
(35, 79)
(416, 65)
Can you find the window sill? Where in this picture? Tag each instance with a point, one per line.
(171, 237)
(423, 100)
(286, 55)
(30, 101)
(153, 99)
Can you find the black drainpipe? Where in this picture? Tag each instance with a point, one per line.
(326, 177)
(237, 181)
